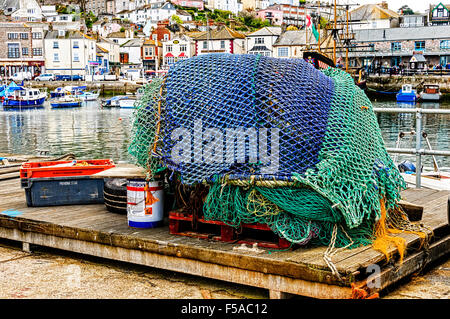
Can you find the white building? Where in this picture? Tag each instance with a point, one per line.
(262, 40)
(131, 58)
(23, 10)
(154, 12)
(179, 48)
(49, 12)
(69, 52)
(235, 6)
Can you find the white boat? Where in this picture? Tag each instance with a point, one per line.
(89, 96)
(430, 93)
(127, 103)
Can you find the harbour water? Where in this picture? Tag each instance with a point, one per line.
(95, 132)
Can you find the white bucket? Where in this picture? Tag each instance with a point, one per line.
(145, 208)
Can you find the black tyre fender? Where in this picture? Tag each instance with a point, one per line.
(115, 195)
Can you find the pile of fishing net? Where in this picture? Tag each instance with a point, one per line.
(277, 142)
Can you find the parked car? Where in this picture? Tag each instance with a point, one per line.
(45, 77)
(21, 76)
(67, 77)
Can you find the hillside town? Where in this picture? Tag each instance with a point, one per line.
(94, 39)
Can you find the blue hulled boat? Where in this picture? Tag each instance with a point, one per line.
(67, 90)
(407, 94)
(66, 102)
(23, 98)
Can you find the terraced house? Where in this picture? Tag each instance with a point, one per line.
(22, 48)
(70, 53)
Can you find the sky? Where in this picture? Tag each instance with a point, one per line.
(416, 5)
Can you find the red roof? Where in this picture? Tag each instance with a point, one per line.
(169, 54)
(182, 54)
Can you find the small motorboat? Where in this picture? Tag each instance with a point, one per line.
(407, 94)
(89, 96)
(24, 98)
(114, 101)
(66, 102)
(430, 93)
(67, 90)
(127, 103)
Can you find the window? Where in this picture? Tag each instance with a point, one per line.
(396, 46)
(170, 59)
(419, 45)
(24, 51)
(283, 52)
(166, 37)
(37, 35)
(24, 36)
(75, 45)
(55, 57)
(259, 40)
(222, 44)
(205, 45)
(183, 47)
(76, 58)
(13, 50)
(13, 36)
(37, 51)
(169, 48)
(55, 45)
(444, 44)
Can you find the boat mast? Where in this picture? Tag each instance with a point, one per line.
(318, 26)
(347, 42)
(334, 36)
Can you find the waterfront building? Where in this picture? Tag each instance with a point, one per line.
(131, 58)
(262, 40)
(179, 48)
(70, 53)
(396, 46)
(255, 4)
(220, 40)
(413, 20)
(23, 48)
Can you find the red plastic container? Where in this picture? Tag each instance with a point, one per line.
(48, 169)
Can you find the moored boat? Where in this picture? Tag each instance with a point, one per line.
(127, 103)
(67, 90)
(89, 96)
(430, 92)
(114, 101)
(24, 98)
(66, 102)
(407, 94)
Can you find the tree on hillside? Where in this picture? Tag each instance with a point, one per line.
(405, 10)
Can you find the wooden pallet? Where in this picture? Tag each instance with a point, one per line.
(260, 235)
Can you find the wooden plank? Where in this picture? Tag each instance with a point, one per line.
(122, 171)
(411, 264)
(412, 194)
(184, 265)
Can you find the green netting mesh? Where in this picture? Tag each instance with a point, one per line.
(333, 166)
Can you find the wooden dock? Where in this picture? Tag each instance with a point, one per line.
(92, 230)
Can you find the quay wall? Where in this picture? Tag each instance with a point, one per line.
(105, 87)
(394, 83)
